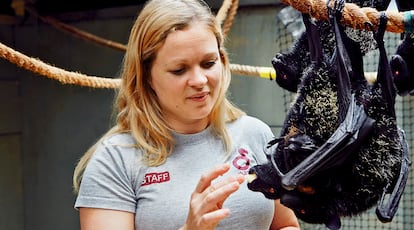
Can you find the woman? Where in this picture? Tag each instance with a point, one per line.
(177, 155)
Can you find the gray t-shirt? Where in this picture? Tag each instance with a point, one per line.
(160, 201)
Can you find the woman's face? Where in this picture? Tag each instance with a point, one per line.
(186, 76)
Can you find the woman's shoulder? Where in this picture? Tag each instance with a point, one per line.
(119, 139)
(119, 145)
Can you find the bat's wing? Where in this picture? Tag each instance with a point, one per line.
(384, 74)
(354, 130)
(355, 125)
(387, 208)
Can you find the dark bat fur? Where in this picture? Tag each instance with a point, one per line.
(290, 65)
(356, 181)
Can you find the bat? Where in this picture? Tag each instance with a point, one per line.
(340, 151)
(289, 65)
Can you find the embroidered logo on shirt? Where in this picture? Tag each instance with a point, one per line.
(156, 178)
(242, 161)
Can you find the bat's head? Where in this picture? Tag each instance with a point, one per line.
(266, 178)
(307, 202)
(263, 178)
(309, 199)
(401, 75)
(287, 74)
(401, 66)
(290, 65)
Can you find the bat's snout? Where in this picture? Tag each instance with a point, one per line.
(259, 182)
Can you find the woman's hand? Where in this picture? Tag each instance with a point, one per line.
(207, 199)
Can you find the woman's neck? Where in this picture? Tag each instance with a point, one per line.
(189, 127)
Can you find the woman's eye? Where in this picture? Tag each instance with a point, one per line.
(178, 71)
(209, 64)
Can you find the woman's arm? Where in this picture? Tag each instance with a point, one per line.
(284, 218)
(105, 219)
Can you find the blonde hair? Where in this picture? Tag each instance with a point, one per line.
(138, 109)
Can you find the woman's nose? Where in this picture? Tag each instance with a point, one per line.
(198, 77)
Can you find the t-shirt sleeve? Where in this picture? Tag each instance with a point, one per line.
(109, 181)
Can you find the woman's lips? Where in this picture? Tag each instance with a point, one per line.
(199, 97)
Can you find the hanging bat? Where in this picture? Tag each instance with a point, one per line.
(340, 151)
(290, 65)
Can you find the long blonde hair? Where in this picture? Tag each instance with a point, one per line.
(138, 109)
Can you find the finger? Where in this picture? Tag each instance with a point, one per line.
(212, 218)
(223, 182)
(206, 178)
(216, 198)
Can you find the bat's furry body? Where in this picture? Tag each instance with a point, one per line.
(355, 181)
(290, 65)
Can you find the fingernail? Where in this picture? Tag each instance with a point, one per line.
(225, 166)
(239, 178)
(235, 185)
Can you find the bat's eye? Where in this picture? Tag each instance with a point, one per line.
(306, 189)
(271, 190)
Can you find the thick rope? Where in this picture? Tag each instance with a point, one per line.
(352, 16)
(228, 10)
(67, 77)
(222, 12)
(253, 71)
(227, 13)
(76, 32)
(63, 76)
